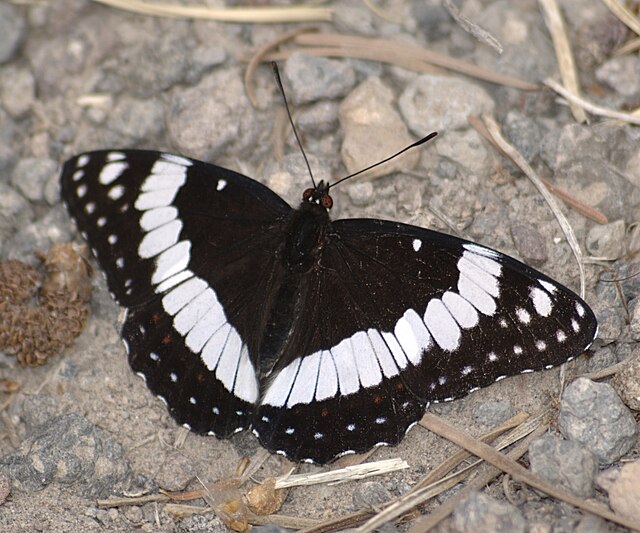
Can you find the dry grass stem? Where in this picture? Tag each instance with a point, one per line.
(381, 13)
(258, 58)
(519, 160)
(462, 455)
(350, 473)
(594, 109)
(520, 473)
(135, 500)
(582, 208)
(472, 28)
(485, 476)
(399, 51)
(243, 15)
(566, 64)
(628, 48)
(624, 14)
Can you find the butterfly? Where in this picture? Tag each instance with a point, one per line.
(325, 337)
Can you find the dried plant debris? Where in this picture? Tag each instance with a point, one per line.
(42, 313)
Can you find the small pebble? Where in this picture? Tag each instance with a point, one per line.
(530, 244)
(442, 103)
(564, 463)
(627, 382)
(624, 493)
(369, 495)
(31, 175)
(622, 74)
(607, 240)
(13, 31)
(316, 78)
(479, 512)
(593, 415)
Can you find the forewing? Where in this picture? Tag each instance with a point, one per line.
(402, 316)
(185, 247)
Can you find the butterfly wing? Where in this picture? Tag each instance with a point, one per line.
(185, 248)
(409, 316)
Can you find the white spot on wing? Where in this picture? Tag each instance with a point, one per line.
(461, 310)
(548, 286)
(523, 315)
(417, 244)
(182, 294)
(481, 274)
(177, 159)
(82, 160)
(221, 185)
(327, 386)
(154, 218)
(348, 381)
(383, 354)
(476, 296)
(172, 261)
(160, 239)
(278, 391)
(152, 199)
(412, 335)
(81, 190)
(111, 172)
(366, 362)
(442, 326)
(541, 301)
(304, 386)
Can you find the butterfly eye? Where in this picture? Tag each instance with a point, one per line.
(326, 201)
(307, 194)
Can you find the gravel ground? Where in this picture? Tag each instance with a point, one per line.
(76, 76)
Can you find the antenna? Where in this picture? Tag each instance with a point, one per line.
(417, 143)
(276, 73)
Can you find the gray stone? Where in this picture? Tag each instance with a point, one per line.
(13, 31)
(564, 463)
(467, 149)
(71, 451)
(528, 53)
(361, 194)
(610, 323)
(626, 382)
(432, 19)
(622, 74)
(17, 91)
(174, 58)
(8, 145)
(442, 103)
(374, 130)
(524, 133)
(530, 244)
(314, 78)
(15, 212)
(213, 116)
(133, 120)
(593, 415)
(321, 117)
(31, 175)
(479, 512)
(208, 523)
(493, 412)
(370, 494)
(607, 240)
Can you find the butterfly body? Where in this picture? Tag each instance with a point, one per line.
(324, 337)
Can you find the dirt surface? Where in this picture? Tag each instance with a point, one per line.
(83, 76)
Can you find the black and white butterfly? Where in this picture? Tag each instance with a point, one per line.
(325, 337)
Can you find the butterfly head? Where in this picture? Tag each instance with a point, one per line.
(318, 195)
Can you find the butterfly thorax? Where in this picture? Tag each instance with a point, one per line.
(305, 234)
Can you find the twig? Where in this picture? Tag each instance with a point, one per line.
(566, 64)
(350, 473)
(586, 210)
(472, 28)
(592, 108)
(258, 15)
(626, 16)
(494, 130)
